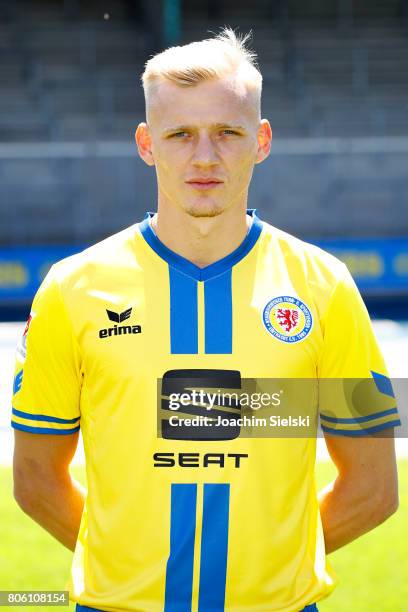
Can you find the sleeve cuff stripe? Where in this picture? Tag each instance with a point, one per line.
(363, 419)
(44, 430)
(42, 417)
(361, 432)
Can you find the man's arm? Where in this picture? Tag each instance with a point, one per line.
(43, 486)
(365, 492)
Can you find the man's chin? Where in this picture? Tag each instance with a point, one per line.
(204, 209)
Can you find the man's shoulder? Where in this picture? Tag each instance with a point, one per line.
(303, 256)
(102, 258)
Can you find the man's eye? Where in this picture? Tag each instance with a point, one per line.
(229, 132)
(178, 135)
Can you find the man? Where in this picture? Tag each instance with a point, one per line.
(201, 290)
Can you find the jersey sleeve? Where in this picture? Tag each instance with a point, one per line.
(47, 380)
(355, 393)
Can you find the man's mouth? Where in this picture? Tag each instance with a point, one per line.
(204, 183)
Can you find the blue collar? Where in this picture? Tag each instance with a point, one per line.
(186, 266)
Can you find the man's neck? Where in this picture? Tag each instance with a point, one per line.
(201, 240)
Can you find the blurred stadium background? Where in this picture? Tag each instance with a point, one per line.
(336, 93)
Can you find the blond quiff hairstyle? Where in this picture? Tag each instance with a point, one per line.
(225, 54)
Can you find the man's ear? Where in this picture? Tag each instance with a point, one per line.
(144, 143)
(264, 141)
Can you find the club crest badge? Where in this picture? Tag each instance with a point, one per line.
(287, 318)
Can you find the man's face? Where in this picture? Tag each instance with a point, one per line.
(204, 141)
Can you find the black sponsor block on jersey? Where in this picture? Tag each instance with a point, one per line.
(187, 404)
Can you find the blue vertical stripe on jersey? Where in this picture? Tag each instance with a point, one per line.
(383, 384)
(183, 313)
(218, 314)
(214, 547)
(179, 571)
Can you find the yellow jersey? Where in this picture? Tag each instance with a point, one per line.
(176, 522)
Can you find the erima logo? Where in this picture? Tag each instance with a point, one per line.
(116, 330)
(119, 317)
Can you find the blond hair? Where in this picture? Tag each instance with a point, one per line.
(225, 54)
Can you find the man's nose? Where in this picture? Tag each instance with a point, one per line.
(205, 154)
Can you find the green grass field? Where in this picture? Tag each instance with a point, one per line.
(373, 570)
